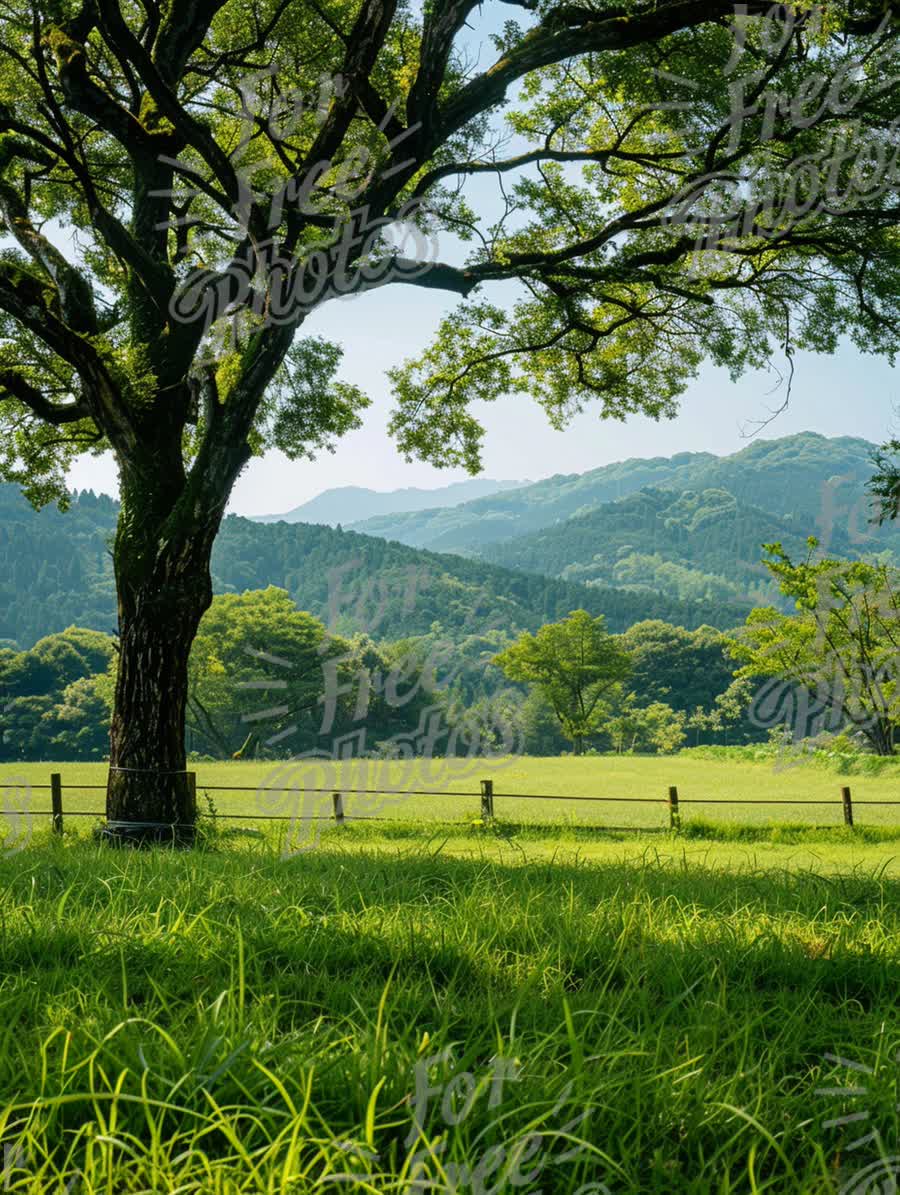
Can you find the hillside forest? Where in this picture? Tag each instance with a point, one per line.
(668, 552)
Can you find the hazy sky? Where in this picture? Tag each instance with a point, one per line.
(848, 394)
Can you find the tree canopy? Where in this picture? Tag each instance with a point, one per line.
(833, 663)
(574, 664)
(208, 154)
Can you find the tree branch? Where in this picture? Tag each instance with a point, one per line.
(75, 298)
(568, 32)
(19, 388)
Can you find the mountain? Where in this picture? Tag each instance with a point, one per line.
(55, 567)
(56, 570)
(675, 538)
(817, 481)
(697, 545)
(351, 504)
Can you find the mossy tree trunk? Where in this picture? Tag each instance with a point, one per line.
(161, 556)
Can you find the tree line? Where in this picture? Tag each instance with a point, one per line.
(255, 651)
(263, 672)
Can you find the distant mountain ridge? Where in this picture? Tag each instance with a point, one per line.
(817, 481)
(353, 504)
(676, 538)
(697, 545)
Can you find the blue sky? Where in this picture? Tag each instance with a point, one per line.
(849, 394)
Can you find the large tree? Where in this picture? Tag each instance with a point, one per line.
(172, 171)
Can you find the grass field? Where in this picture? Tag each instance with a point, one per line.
(440, 1006)
(227, 1020)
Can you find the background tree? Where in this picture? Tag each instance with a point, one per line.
(834, 663)
(680, 667)
(230, 678)
(654, 727)
(215, 159)
(55, 698)
(574, 664)
(78, 724)
(732, 713)
(257, 654)
(540, 728)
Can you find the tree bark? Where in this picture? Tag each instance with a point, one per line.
(164, 587)
(881, 735)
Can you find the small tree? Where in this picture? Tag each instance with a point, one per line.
(728, 709)
(838, 653)
(664, 728)
(655, 727)
(574, 664)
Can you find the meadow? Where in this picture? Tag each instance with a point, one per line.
(639, 784)
(431, 1004)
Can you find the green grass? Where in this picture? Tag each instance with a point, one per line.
(229, 1020)
(735, 783)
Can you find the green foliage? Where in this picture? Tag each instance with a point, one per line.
(55, 568)
(256, 650)
(683, 668)
(56, 698)
(236, 633)
(309, 410)
(574, 664)
(841, 647)
(654, 727)
(541, 731)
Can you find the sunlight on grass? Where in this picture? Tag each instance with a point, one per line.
(229, 1020)
(640, 783)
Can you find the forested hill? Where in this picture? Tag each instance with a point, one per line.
(55, 567)
(702, 545)
(56, 571)
(817, 482)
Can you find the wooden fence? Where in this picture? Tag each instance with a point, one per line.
(673, 802)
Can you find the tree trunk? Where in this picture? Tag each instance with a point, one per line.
(579, 744)
(881, 735)
(164, 588)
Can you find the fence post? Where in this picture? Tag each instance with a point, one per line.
(338, 808)
(848, 806)
(487, 798)
(674, 813)
(192, 791)
(56, 802)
